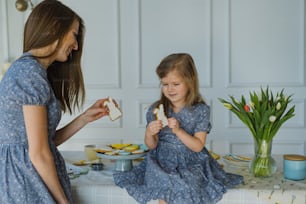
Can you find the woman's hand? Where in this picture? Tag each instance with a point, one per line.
(96, 111)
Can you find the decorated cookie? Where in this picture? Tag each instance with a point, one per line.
(131, 148)
(160, 114)
(114, 111)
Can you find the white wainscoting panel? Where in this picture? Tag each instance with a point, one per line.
(237, 46)
(266, 43)
(165, 29)
(102, 65)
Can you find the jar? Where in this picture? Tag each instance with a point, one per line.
(97, 166)
(294, 166)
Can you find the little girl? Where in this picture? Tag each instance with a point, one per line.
(178, 168)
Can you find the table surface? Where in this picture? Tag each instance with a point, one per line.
(277, 181)
(276, 189)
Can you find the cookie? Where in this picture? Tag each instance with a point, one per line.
(114, 111)
(160, 114)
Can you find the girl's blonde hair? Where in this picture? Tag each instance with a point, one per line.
(185, 67)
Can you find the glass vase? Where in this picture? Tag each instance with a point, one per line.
(262, 164)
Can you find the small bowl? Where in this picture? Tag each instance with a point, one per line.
(294, 167)
(97, 166)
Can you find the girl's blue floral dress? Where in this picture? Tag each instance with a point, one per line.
(173, 172)
(26, 83)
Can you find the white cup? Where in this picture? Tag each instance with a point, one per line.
(90, 152)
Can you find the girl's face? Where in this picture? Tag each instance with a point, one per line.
(175, 89)
(69, 43)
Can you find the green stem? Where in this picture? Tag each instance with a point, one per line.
(263, 165)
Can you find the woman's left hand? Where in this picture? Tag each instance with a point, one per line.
(96, 111)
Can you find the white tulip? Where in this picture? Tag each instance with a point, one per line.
(278, 106)
(272, 118)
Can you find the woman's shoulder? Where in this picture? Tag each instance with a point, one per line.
(27, 65)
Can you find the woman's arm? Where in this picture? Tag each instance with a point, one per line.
(96, 111)
(36, 123)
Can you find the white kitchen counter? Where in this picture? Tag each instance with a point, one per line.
(97, 187)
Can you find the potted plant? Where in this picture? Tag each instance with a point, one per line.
(263, 115)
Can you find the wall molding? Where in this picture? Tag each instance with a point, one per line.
(204, 83)
(300, 80)
(117, 84)
(5, 30)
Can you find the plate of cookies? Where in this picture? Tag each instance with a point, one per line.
(122, 151)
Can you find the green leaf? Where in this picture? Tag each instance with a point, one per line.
(263, 106)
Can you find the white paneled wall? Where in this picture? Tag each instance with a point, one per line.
(237, 45)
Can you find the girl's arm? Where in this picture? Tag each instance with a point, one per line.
(36, 124)
(196, 143)
(151, 137)
(96, 111)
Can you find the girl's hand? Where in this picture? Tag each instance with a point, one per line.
(174, 124)
(154, 127)
(96, 111)
(151, 137)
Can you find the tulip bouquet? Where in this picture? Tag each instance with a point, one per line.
(263, 115)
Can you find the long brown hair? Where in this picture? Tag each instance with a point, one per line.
(51, 21)
(185, 67)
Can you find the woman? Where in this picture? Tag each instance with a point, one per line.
(44, 81)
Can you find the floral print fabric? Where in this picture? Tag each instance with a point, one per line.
(26, 83)
(173, 172)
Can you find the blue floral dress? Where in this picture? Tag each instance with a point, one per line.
(173, 172)
(26, 83)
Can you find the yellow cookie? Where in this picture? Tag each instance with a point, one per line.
(214, 155)
(119, 146)
(80, 163)
(131, 148)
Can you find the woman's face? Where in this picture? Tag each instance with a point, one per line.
(174, 88)
(69, 43)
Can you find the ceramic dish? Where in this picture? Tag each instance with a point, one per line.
(122, 162)
(120, 157)
(236, 160)
(103, 148)
(121, 149)
(122, 152)
(97, 166)
(75, 171)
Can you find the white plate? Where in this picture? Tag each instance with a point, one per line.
(75, 171)
(121, 157)
(105, 151)
(236, 160)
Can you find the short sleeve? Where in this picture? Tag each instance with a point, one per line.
(203, 118)
(31, 86)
